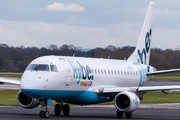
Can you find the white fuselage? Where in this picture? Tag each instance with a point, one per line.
(76, 75)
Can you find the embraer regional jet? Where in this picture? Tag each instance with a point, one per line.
(82, 81)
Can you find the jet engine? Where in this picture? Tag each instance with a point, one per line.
(126, 101)
(27, 102)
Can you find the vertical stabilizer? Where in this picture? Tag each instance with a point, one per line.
(142, 52)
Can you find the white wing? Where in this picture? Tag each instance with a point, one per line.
(10, 80)
(163, 72)
(139, 89)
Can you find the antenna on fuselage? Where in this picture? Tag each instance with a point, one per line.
(73, 54)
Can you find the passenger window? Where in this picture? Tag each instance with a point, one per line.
(118, 72)
(109, 71)
(115, 72)
(121, 72)
(91, 70)
(124, 72)
(131, 72)
(95, 71)
(127, 72)
(102, 71)
(53, 68)
(112, 71)
(136, 73)
(98, 71)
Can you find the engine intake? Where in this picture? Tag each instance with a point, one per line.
(26, 102)
(126, 101)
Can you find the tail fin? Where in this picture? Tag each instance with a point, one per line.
(142, 52)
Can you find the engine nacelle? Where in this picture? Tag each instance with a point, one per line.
(126, 101)
(26, 102)
(167, 91)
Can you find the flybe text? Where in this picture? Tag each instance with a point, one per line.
(81, 72)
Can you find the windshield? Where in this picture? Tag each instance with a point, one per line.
(38, 67)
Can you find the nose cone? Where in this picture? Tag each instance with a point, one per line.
(28, 80)
(31, 81)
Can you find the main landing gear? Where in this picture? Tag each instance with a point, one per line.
(120, 114)
(60, 107)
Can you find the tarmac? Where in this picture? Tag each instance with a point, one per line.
(145, 111)
(90, 113)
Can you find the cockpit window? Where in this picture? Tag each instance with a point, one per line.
(53, 68)
(42, 67)
(38, 67)
(31, 67)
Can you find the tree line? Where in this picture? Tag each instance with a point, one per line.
(16, 59)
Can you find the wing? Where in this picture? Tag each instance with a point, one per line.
(114, 90)
(163, 72)
(15, 81)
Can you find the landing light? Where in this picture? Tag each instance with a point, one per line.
(97, 91)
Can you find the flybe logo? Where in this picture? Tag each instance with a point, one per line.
(135, 102)
(147, 47)
(81, 72)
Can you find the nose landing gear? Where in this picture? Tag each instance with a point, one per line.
(44, 113)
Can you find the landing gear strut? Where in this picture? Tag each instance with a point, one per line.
(60, 107)
(120, 114)
(44, 113)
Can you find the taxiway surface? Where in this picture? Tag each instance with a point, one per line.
(145, 112)
(90, 113)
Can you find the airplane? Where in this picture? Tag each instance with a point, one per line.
(84, 81)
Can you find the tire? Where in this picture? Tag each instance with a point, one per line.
(66, 110)
(119, 114)
(129, 115)
(46, 114)
(57, 109)
(41, 114)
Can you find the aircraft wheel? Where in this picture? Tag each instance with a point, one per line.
(46, 114)
(41, 114)
(57, 109)
(66, 110)
(119, 114)
(129, 115)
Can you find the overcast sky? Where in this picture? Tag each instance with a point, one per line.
(87, 23)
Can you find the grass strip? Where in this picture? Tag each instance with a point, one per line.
(166, 78)
(11, 75)
(8, 98)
